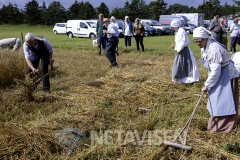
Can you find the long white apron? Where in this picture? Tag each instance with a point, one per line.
(220, 97)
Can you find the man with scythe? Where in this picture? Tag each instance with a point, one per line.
(36, 49)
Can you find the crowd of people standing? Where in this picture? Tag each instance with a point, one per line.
(105, 36)
(130, 30)
(219, 32)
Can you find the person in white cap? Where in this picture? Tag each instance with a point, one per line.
(221, 84)
(127, 31)
(112, 37)
(10, 43)
(184, 68)
(113, 21)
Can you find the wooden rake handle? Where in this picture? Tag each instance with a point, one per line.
(190, 119)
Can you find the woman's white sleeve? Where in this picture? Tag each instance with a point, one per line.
(214, 75)
(181, 42)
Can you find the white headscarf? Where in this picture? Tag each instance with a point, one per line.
(201, 32)
(175, 23)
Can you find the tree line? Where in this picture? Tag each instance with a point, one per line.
(35, 14)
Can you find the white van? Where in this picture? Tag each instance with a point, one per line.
(81, 28)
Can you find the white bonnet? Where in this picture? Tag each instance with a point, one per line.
(201, 32)
(175, 23)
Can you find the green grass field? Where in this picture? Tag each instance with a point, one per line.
(136, 100)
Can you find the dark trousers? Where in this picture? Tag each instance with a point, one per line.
(44, 67)
(233, 44)
(127, 40)
(139, 39)
(101, 41)
(110, 50)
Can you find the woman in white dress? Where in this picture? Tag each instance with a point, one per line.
(221, 84)
(184, 67)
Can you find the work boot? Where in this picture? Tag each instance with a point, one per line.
(99, 50)
(113, 65)
(46, 90)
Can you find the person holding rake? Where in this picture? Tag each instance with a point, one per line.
(221, 84)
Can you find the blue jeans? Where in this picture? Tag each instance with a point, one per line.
(44, 67)
(101, 41)
(127, 41)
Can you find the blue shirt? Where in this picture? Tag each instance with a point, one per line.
(113, 30)
(27, 51)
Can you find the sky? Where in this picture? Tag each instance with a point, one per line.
(110, 3)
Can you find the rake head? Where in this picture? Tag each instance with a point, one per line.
(182, 146)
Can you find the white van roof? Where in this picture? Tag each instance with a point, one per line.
(171, 16)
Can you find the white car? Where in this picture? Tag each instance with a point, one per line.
(59, 28)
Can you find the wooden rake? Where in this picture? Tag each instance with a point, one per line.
(187, 125)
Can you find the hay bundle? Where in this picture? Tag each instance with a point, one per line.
(12, 66)
(21, 142)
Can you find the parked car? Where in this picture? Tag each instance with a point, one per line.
(149, 30)
(166, 19)
(155, 24)
(171, 30)
(59, 28)
(81, 28)
(192, 25)
(206, 25)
